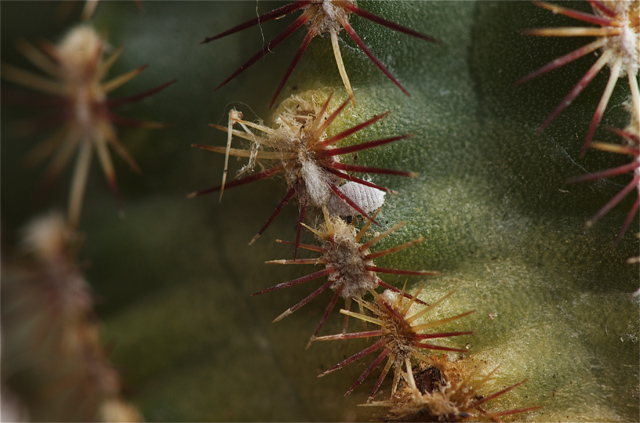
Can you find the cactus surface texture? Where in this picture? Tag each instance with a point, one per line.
(501, 220)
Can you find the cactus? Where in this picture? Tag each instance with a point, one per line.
(501, 223)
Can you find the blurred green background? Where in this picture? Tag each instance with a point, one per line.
(173, 279)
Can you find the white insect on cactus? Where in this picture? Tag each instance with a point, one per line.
(304, 155)
(369, 199)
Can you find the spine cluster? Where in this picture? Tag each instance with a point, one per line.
(434, 378)
(300, 150)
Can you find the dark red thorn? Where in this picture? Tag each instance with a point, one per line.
(363, 146)
(135, 123)
(247, 179)
(352, 203)
(303, 211)
(584, 81)
(323, 109)
(117, 102)
(294, 63)
(442, 335)
(627, 222)
(381, 378)
(355, 357)
(265, 17)
(614, 201)
(581, 16)
(359, 181)
(560, 61)
(113, 184)
(358, 335)
(334, 114)
(404, 294)
(597, 116)
(266, 49)
(603, 8)
(626, 135)
(368, 371)
(353, 130)
(285, 200)
(396, 27)
(401, 272)
(439, 348)
(394, 249)
(46, 183)
(43, 123)
(302, 303)
(367, 169)
(606, 173)
(325, 316)
(304, 246)
(310, 277)
(497, 394)
(371, 56)
(20, 98)
(392, 310)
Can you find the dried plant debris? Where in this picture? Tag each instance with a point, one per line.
(50, 335)
(617, 46)
(320, 17)
(74, 87)
(348, 264)
(446, 391)
(631, 147)
(300, 150)
(401, 337)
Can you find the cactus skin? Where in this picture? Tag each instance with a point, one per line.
(491, 200)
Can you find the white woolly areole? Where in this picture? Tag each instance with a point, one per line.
(626, 46)
(368, 198)
(329, 16)
(389, 296)
(46, 237)
(79, 47)
(80, 55)
(345, 255)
